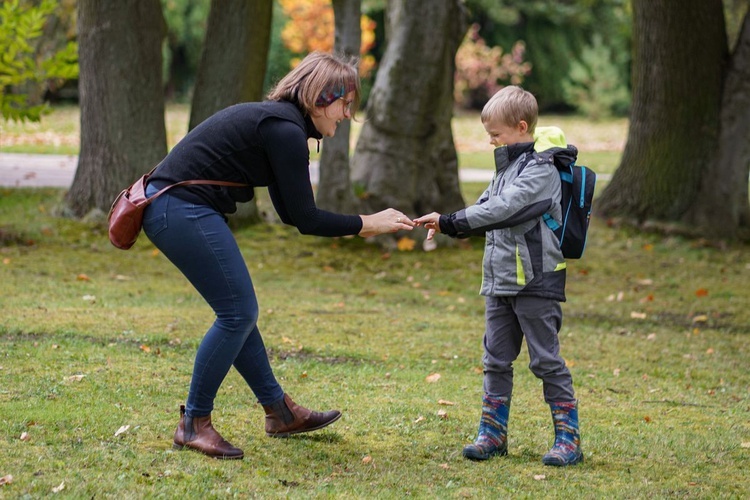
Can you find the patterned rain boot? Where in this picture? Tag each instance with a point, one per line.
(493, 430)
(567, 447)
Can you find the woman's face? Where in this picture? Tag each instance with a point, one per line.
(328, 118)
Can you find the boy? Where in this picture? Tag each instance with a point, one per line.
(524, 277)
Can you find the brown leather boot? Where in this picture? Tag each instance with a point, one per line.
(197, 433)
(286, 417)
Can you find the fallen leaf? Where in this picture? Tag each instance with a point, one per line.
(446, 402)
(444, 466)
(645, 282)
(637, 315)
(303, 375)
(745, 445)
(429, 245)
(648, 247)
(539, 477)
(6, 261)
(701, 292)
(90, 298)
(328, 269)
(58, 489)
(83, 277)
(145, 348)
(122, 430)
(432, 378)
(405, 244)
(419, 419)
(6, 480)
(24, 436)
(701, 318)
(75, 378)
(710, 350)
(616, 372)
(651, 336)
(647, 298)
(442, 414)
(122, 277)
(367, 459)
(154, 253)
(647, 419)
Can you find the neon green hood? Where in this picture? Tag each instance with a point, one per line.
(548, 138)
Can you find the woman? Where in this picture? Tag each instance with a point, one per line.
(255, 144)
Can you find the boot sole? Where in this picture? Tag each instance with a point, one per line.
(577, 461)
(180, 447)
(476, 456)
(300, 431)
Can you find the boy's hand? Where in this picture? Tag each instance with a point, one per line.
(431, 222)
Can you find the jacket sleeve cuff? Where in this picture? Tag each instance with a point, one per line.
(447, 226)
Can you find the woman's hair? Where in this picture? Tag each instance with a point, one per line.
(510, 105)
(316, 74)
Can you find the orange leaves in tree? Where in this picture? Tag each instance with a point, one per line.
(311, 27)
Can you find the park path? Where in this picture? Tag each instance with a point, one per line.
(29, 170)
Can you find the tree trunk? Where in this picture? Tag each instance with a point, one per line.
(233, 66)
(235, 53)
(334, 186)
(721, 207)
(405, 156)
(122, 105)
(677, 86)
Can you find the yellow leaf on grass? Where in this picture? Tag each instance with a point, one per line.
(701, 318)
(432, 378)
(445, 402)
(58, 489)
(83, 277)
(406, 244)
(701, 292)
(637, 315)
(6, 480)
(367, 459)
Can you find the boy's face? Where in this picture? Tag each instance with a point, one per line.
(506, 135)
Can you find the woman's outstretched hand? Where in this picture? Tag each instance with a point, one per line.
(389, 220)
(431, 222)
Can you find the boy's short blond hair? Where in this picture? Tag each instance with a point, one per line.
(510, 105)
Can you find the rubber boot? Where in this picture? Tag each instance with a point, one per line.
(492, 438)
(286, 417)
(197, 433)
(567, 447)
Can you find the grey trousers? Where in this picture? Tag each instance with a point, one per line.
(508, 321)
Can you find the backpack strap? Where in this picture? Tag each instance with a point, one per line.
(551, 223)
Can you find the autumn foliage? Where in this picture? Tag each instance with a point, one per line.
(482, 70)
(311, 27)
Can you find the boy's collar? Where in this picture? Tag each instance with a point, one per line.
(505, 155)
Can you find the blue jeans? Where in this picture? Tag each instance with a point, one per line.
(197, 239)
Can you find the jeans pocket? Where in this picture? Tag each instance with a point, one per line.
(155, 223)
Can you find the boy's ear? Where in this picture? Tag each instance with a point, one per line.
(523, 127)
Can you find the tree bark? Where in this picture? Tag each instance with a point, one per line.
(122, 105)
(405, 156)
(722, 207)
(235, 53)
(678, 58)
(232, 67)
(334, 186)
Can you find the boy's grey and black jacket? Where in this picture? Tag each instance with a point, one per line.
(522, 255)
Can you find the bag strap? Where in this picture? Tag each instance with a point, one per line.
(192, 182)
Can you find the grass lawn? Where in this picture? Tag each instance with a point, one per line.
(96, 346)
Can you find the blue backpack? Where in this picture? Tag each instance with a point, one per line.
(577, 186)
